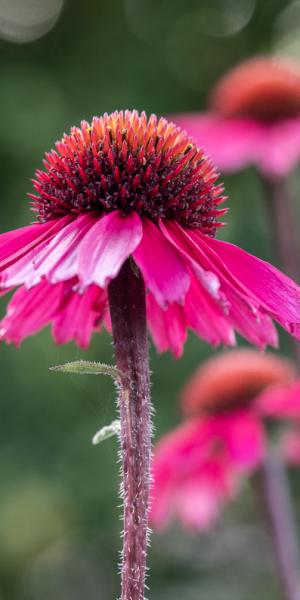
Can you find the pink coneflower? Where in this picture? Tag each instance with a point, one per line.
(254, 117)
(124, 188)
(129, 205)
(198, 467)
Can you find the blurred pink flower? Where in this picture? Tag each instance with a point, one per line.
(131, 187)
(198, 467)
(254, 117)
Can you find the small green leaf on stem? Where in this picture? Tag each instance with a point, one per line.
(84, 367)
(106, 432)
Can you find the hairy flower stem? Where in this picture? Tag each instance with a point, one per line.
(274, 489)
(282, 213)
(128, 314)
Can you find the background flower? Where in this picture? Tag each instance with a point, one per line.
(200, 466)
(254, 117)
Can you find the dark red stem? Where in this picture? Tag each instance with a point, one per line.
(128, 315)
(275, 492)
(282, 213)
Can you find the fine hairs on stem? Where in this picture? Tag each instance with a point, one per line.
(128, 314)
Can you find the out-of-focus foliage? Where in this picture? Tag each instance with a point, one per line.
(59, 516)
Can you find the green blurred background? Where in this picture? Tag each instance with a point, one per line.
(59, 506)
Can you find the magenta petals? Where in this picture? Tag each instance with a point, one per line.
(274, 292)
(109, 242)
(57, 260)
(79, 316)
(243, 435)
(193, 281)
(280, 402)
(19, 248)
(73, 316)
(17, 242)
(168, 327)
(193, 476)
(163, 269)
(279, 152)
(209, 322)
(29, 311)
(228, 300)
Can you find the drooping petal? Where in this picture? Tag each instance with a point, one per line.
(279, 152)
(280, 401)
(57, 260)
(192, 476)
(29, 311)
(80, 316)
(230, 299)
(17, 242)
(205, 316)
(274, 292)
(232, 143)
(53, 258)
(18, 250)
(172, 459)
(105, 248)
(163, 269)
(199, 501)
(244, 438)
(167, 327)
(74, 316)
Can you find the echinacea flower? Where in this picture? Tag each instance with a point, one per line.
(198, 467)
(254, 117)
(128, 187)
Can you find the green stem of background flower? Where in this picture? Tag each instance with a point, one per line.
(275, 492)
(128, 314)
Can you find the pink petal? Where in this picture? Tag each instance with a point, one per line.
(19, 266)
(275, 293)
(74, 316)
(230, 300)
(206, 318)
(244, 438)
(232, 143)
(280, 151)
(167, 327)
(80, 316)
(171, 461)
(192, 476)
(163, 269)
(57, 260)
(29, 311)
(280, 402)
(18, 242)
(197, 504)
(105, 248)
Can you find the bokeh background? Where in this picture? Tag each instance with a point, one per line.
(61, 62)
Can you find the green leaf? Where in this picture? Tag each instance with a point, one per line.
(106, 432)
(84, 367)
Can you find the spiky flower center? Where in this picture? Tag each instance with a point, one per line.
(263, 87)
(128, 162)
